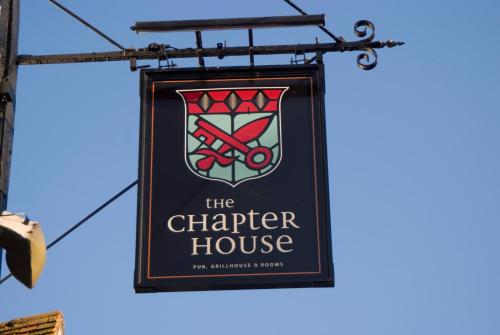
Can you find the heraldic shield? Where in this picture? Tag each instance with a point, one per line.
(233, 134)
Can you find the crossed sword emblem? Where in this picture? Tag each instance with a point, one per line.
(208, 133)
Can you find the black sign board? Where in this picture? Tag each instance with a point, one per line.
(233, 180)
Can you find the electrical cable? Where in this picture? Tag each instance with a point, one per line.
(87, 24)
(82, 221)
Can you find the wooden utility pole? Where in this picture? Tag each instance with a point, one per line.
(9, 29)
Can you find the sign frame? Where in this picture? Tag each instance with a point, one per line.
(324, 277)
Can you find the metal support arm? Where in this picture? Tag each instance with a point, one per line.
(146, 53)
(363, 29)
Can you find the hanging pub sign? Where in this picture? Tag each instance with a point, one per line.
(233, 180)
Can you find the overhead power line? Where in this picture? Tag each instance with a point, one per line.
(82, 221)
(87, 24)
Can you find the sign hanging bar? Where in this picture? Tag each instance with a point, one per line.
(162, 53)
(233, 23)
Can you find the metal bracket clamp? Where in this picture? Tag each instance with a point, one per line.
(6, 92)
(298, 57)
(220, 50)
(133, 64)
(134, 67)
(153, 47)
(319, 57)
(168, 63)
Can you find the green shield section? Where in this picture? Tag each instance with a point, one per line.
(238, 170)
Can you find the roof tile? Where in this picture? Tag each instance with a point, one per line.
(42, 324)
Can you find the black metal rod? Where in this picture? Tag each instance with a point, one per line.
(297, 8)
(145, 53)
(87, 24)
(233, 23)
(250, 47)
(82, 221)
(92, 214)
(325, 30)
(199, 46)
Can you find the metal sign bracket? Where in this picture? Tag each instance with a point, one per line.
(363, 29)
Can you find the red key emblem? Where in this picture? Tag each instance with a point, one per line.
(237, 141)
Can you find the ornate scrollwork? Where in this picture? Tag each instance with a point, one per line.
(368, 59)
(361, 29)
(366, 30)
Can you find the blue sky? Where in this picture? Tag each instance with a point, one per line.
(414, 162)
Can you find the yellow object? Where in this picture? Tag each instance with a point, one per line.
(25, 245)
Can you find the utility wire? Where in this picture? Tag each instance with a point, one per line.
(328, 32)
(85, 219)
(87, 24)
